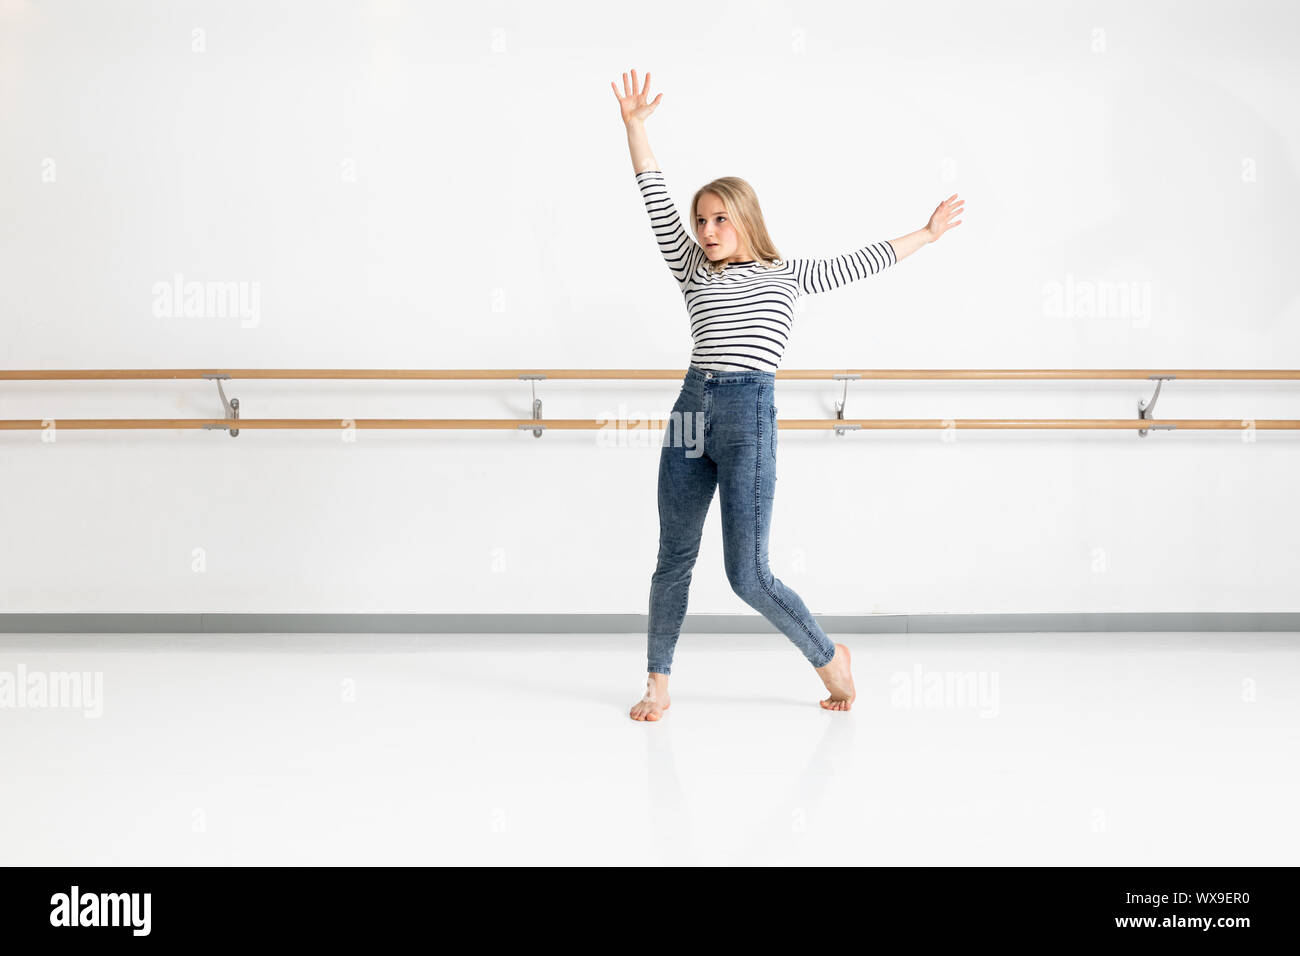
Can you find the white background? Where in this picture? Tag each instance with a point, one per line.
(420, 185)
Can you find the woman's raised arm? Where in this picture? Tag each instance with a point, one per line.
(632, 104)
(680, 252)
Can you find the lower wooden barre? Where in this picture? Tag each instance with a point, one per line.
(592, 374)
(579, 424)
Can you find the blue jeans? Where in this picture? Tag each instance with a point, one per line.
(722, 435)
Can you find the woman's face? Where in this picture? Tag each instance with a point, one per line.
(715, 232)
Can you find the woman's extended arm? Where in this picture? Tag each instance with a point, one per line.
(822, 275)
(939, 223)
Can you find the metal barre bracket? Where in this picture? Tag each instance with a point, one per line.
(537, 403)
(841, 429)
(230, 407)
(1146, 410)
(839, 406)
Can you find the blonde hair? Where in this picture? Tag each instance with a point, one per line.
(742, 208)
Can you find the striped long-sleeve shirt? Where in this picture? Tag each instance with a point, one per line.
(741, 318)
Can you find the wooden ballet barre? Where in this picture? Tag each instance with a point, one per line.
(580, 424)
(232, 423)
(593, 374)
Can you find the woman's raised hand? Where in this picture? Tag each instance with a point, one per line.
(944, 213)
(632, 102)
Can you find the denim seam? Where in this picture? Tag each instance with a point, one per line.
(758, 527)
(681, 613)
(678, 620)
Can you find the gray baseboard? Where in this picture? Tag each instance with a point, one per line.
(201, 623)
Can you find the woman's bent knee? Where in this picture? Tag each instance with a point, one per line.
(748, 588)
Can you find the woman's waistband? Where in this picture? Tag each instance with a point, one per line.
(695, 373)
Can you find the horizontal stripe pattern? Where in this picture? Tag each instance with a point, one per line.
(741, 319)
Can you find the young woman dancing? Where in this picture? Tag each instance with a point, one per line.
(740, 296)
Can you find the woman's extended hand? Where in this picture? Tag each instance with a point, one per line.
(633, 103)
(941, 221)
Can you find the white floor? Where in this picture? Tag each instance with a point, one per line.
(1094, 749)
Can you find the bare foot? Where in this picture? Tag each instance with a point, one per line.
(838, 678)
(655, 701)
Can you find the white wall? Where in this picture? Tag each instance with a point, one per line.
(417, 185)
